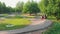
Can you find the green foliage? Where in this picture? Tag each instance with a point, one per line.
(55, 29)
(26, 7)
(19, 7)
(43, 4)
(31, 8)
(4, 9)
(50, 7)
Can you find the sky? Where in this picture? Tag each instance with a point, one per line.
(12, 3)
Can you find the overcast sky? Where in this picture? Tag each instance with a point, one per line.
(12, 3)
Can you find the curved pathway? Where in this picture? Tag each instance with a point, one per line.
(35, 25)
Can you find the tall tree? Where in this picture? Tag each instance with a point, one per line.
(31, 7)
(0, 7)
(19, 7)
(4, 7)
(50, 7)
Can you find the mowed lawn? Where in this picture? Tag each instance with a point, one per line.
(15, 22)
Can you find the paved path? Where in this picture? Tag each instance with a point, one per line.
(35, 25)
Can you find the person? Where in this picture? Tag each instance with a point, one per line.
(45, 16)
(42, 17)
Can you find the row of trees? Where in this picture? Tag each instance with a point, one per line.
(48, 7)
(4, 9)
(30, 7)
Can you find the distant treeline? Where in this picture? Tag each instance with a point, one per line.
(21, 7)
(48, 7)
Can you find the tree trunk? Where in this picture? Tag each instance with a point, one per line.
(35, 14)
(30, 14)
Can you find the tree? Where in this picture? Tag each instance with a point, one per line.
(31, 8)
(19, 7)
(43, 4)
(1, 7)
(4, 9)
(50, 7)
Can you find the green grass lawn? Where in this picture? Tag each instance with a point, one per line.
(55, 29)
(17, 22)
